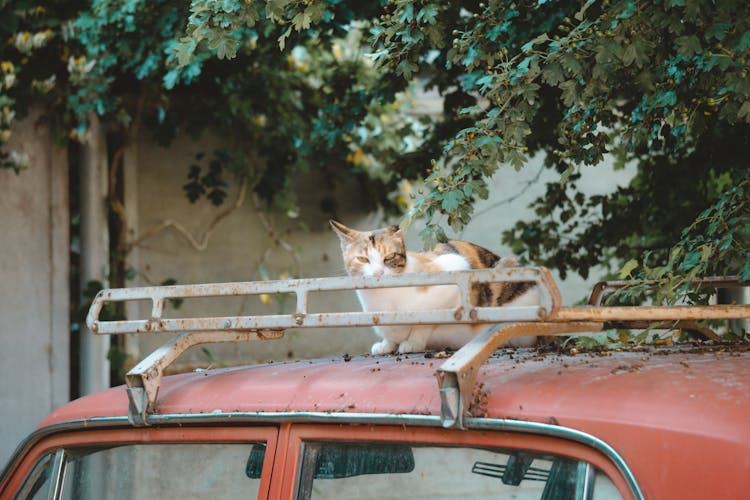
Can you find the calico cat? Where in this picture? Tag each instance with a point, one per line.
(382, 252)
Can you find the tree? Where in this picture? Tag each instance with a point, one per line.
(660, 83)
(279, 113)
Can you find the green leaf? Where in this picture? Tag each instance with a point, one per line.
(744, 112)
(552, 74)
(451, 200)
(582, 12)
(224, 45)
(184, 50)
(536, 41)
(688, 46)
(301, 21)
(406, 68)
(570, 92)
(627, 269)
(428, 14)
(717, 31)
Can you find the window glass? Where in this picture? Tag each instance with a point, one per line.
(36, 485)
(394, 471)
(604, 488)
(164, 471)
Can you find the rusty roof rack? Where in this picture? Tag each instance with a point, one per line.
(457, 375)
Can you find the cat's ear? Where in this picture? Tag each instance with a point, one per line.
(395, 230)
(346, 234)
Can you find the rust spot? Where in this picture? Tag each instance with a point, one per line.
(299, 318)
(458, 314)
(626, 368)
(95, 326)
(478, 404)
(375, 320)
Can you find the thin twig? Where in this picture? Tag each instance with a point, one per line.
(115, 203)
(201, 243)
(273, 235)
(527, 185)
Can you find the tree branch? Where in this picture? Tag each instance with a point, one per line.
(201, 243)
(273, 235)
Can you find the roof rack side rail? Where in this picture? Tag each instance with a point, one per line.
(144, 379)
(605, 288)
(302, 318)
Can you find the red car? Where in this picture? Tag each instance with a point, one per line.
(663, 423)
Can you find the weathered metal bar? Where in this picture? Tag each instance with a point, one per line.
(693, 328)
(463, 280)
(492, 275)
(604, 288)
(439, 316)
(316, 320)
(651, 313)
(144, 379)
(457, 376)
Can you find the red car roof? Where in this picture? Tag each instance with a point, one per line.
(654, 407)
(657, 388)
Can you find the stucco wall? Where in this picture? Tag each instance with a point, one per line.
(34, 297)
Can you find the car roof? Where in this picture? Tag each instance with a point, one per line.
(668, 413)
(661, 388)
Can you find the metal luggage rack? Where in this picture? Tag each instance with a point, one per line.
(456, 377)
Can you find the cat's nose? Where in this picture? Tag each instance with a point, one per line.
(378, 272)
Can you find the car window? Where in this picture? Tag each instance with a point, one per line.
(165, 471)
(394, 471)
(37, 483)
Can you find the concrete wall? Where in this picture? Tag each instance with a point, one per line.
(34, 297)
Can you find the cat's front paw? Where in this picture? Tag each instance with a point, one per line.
(382, 347)
(411, 345)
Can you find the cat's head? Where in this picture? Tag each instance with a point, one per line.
(371, 253)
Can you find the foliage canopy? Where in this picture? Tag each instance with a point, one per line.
(662, 84)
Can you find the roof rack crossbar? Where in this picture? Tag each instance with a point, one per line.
(144, 379)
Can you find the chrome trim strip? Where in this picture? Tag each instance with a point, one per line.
(493, 424)
(57, 476)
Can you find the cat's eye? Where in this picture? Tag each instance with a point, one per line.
(393, 259)
(363, 260)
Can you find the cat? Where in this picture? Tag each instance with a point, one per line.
(382, 252)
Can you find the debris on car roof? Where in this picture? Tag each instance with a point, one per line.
(456, 376)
